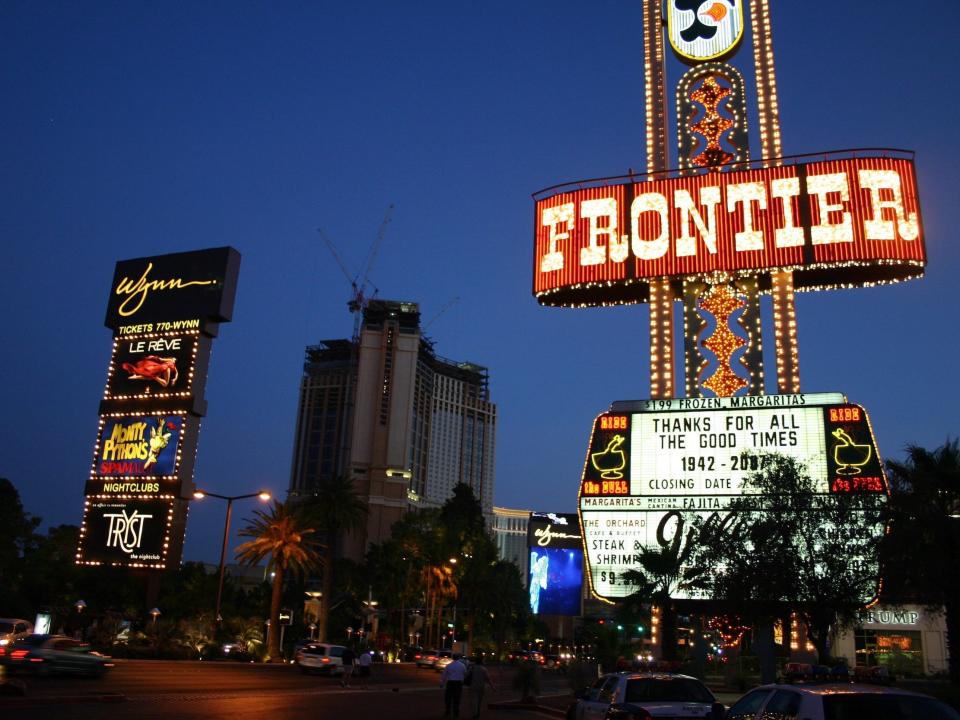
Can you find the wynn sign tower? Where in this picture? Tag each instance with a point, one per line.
(715, 233)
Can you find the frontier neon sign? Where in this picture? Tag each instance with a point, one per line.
(842, 222)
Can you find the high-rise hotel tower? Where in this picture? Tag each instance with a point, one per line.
(403, 423)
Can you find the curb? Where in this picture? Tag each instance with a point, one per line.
(26, 701)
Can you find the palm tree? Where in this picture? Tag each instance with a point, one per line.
(334, 507)
(923, 548)
(282, 534)
(660, 576)
(441, 588)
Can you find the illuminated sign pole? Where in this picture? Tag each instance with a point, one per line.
(164, 312)
(718, 232)
(661, 291)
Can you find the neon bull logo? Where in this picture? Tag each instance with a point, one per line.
(849, 456)
(611, 460)
(125, 531)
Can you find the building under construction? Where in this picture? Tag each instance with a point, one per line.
(403, 423)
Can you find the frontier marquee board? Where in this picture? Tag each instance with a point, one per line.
(835, 223)
(654, 464)
(164, 312)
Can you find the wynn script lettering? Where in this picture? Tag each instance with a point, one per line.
(138, 291)
(546, 534)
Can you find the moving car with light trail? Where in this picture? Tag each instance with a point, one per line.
(46, 654)
(13, 629)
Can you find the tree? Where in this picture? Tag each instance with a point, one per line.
(923, 548)
(662, 574)
(787, 544)
(283, 535)
(389, 575)
(17, 538)
(334, 507)
(504, 603)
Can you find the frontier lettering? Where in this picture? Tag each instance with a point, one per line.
(718, 225)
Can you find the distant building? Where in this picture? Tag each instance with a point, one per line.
(245, 577)
(510, 532)
(405, 424)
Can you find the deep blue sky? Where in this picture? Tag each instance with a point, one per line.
(132, 128)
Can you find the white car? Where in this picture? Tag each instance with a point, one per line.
(837, 701)
(321, 658)
(444, 658)
(13, 629)
(636, 696)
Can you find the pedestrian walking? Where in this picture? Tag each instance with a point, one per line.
(365, 662)
(348, 659)
(452, 683)
(478, 680)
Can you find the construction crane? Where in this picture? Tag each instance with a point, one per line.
(446, 306)
(360, 281)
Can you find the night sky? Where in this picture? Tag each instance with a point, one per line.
(130, 129)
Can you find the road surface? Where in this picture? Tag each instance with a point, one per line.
(166, 690)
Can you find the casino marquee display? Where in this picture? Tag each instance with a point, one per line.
(653, 465)
(164, 312)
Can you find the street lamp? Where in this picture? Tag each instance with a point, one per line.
(155, 612)
(200, 495)
(79, 606)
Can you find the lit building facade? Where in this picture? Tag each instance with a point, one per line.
(510, 532)
(403, 423)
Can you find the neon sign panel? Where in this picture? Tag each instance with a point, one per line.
(681, 458)
(835, 223)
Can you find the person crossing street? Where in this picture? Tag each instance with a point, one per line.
(347, 658)
(365, 662)
(452, 683)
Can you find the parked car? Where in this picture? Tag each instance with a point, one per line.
(13, 629)
(558, 662)
(876, 674)
(515, 656)
(43, 654)
(636, 696)
(410, 652)
(518, 656)
(320, 658)
(837, 701)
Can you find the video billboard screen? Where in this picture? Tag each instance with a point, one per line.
(556, 580)
(652, 465)
(132, 532)
(139, 446)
